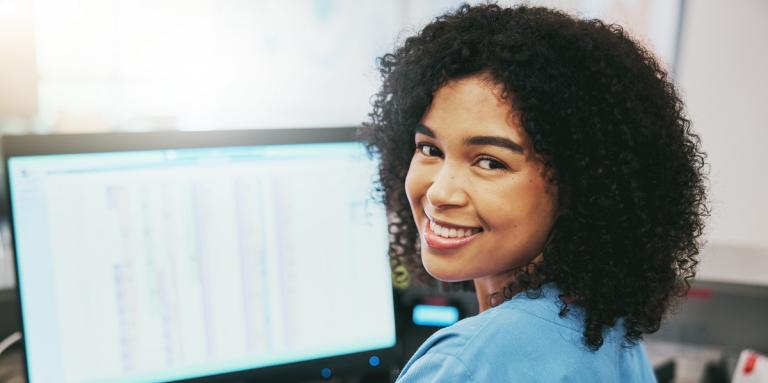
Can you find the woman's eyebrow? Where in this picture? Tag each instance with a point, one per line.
(494, 141)
(502, 142)
(423, 129)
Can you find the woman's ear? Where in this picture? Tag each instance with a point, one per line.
(563, 198)
(561, 194)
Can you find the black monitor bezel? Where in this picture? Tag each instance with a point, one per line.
(52, 144)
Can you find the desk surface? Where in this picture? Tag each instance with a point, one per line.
(11, 367)
(690, 359)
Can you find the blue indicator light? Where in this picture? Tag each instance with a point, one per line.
(374, 361)
(326, 372)
(437, 316)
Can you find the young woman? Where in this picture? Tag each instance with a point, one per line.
(545, 162)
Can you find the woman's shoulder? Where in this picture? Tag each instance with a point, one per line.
(526, 338)
(527, 321)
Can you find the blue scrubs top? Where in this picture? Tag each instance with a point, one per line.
(525, 340)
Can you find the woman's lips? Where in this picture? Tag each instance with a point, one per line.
(437, 242)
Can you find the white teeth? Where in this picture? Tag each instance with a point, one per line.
(451, 232)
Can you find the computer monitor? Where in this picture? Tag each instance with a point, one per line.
(197, 256)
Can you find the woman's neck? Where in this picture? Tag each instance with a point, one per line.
(491, 290)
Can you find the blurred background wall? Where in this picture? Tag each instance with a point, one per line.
(723, 73)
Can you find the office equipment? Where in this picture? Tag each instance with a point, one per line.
(7, 278)
(434, 315)
(9, 341)
(751, 368)
(167, 256)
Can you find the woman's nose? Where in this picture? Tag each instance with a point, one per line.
(447, 189)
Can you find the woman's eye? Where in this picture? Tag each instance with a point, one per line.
(428, 150)
(490, 164)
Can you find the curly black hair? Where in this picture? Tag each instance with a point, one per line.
(611, 128)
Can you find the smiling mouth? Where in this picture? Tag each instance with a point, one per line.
(445, 237)
(452, 232)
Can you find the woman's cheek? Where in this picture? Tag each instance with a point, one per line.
(412, 180)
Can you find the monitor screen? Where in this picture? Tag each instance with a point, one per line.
(179, 263)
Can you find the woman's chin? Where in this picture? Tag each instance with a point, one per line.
(444, 273)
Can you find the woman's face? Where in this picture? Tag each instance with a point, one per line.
(478, 192)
